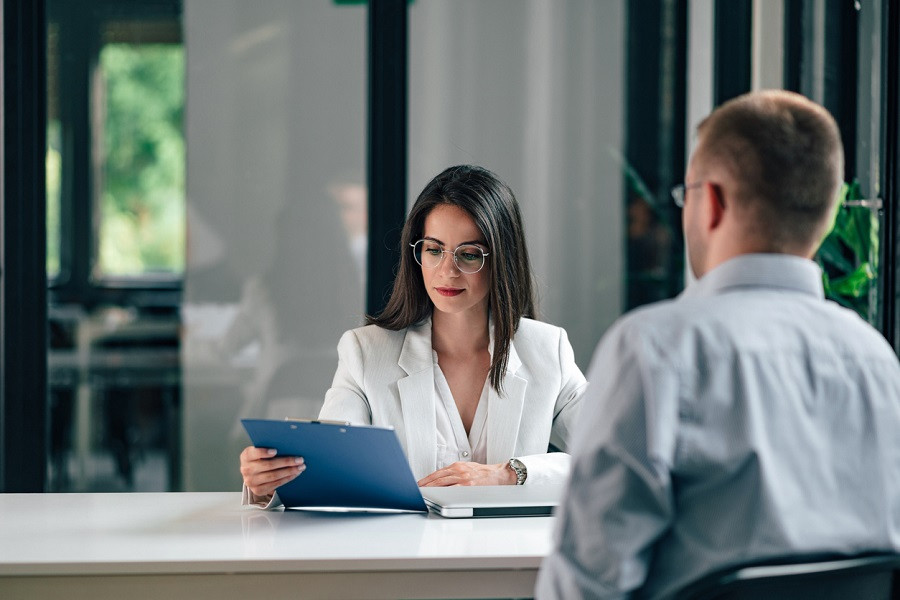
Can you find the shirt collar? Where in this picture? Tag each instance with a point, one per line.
(780, 271)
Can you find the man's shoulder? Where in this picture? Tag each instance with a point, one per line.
(753, 321)
(656, 319)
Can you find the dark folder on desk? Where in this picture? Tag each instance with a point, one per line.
(347, 466)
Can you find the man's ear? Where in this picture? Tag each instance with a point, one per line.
(715, 204)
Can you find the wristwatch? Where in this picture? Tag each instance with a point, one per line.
(519, 468)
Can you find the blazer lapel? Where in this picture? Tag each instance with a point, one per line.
(505, 412)
(417, 399)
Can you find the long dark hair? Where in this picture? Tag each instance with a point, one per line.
(493, 207)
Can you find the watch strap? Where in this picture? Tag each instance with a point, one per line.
(520, 470)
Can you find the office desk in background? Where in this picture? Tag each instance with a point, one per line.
(204, 545)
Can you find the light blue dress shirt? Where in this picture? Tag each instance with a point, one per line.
(747, 419)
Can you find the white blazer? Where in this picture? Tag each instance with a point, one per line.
(386, 378)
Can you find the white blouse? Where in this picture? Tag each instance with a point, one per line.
(453, 445)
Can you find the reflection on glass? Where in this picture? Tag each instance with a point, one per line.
(277, 216)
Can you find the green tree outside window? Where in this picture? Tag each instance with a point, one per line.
(142, 207)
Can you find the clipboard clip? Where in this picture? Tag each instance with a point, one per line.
(322, 421)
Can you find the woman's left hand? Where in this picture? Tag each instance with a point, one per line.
(470, 473)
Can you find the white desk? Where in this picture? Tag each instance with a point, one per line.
(204, 545)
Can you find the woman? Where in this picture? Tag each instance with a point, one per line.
(477, 391)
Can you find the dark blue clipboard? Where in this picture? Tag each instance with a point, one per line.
(347, 466)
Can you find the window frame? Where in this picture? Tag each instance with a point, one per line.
(79, 225)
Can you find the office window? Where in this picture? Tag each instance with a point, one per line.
(139, 144)
(115, 243)
(115, 156)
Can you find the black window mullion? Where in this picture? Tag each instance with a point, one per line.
(793, 44)
(77, 46)
(733, 48)
(655, 133)
(889, 273)
(23, 277)
(387, 140)
(841, 74)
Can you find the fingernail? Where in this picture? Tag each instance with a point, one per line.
(299, 460)
(300, 469)
(271, 451)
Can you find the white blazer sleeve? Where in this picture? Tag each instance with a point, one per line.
(346, 399)
(568, 402)
(555, 466)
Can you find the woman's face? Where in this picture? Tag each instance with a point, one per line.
(451, 290)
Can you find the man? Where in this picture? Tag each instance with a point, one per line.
(749, 418)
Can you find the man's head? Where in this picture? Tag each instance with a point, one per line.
(770, 164)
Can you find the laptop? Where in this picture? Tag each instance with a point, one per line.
(493, 500)
(363, 467)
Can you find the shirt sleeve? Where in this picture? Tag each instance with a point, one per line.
(248, 498)
(619, 498)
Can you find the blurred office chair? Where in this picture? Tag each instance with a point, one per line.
(864, 577)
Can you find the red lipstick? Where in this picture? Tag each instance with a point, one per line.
(449, 291)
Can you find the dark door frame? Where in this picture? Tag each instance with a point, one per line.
(23, 274)
(387, 141)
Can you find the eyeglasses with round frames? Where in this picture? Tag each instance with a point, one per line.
(468, 258)
(678, 192)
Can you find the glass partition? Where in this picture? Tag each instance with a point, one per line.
(276, 216)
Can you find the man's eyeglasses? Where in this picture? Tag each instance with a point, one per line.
(678, 192)
(468, 258)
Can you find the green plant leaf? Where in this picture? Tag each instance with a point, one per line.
(831, 255)
(856, 284)
(848, 255)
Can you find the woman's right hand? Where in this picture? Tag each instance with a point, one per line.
(263, 471)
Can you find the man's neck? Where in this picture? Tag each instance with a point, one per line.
(732, 242)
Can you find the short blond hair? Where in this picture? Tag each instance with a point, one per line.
(785, 155)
